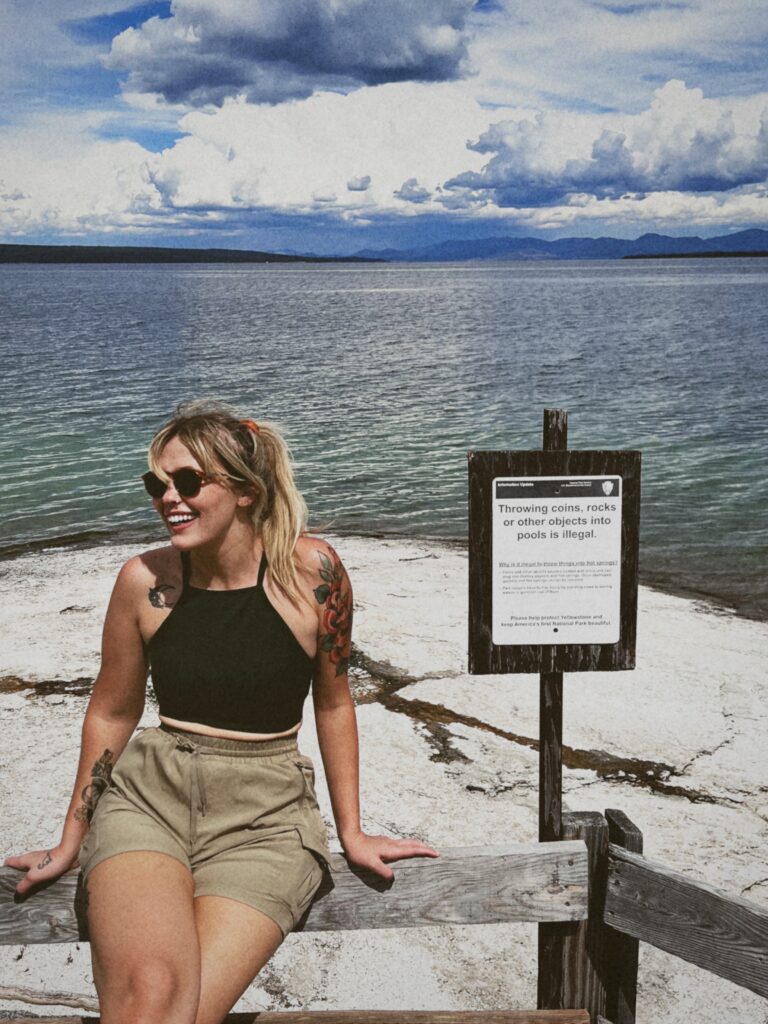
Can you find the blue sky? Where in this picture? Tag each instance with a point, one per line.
(335, 125)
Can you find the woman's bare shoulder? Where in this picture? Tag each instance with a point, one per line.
(313, 554)
(150, 566)
(150, 579)
(322, 572)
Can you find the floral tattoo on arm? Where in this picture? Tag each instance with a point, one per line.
(101, 773)
(337, 613)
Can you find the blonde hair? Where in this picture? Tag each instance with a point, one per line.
(257, 460)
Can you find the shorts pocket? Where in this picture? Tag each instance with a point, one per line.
(307, 769)
(313, 838)
(311, 827)
(316, 882)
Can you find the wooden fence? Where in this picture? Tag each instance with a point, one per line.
(594, 890)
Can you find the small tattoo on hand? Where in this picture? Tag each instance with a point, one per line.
(45, 861)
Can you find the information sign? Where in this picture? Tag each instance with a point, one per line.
(553, 560)
(556, 552)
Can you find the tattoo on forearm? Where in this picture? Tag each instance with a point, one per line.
(45, 861)
(101, 773)
(159, 596)
(337, 616)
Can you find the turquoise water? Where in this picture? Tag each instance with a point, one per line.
(384, 376)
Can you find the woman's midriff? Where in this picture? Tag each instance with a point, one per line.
(227, 734)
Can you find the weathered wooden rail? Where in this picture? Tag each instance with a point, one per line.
(726, 935)
(369, 1017)
(594, 885)
(518, 882)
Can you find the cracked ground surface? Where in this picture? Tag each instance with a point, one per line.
(451, 758)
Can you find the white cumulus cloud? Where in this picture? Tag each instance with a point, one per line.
(60, 177)
(412, 192)
(293, 156)
(682, 142)
(359, 184)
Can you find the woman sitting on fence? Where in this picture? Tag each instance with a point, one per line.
(206, 845)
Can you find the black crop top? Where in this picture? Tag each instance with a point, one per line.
(226, 658)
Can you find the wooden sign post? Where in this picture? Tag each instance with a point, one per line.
(553, 560)
(551, 691)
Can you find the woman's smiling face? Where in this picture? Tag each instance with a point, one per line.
(210, 515)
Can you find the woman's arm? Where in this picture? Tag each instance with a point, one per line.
(337, 726)
(114, 709)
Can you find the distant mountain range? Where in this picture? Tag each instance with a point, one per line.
(743, 243)
(753, 241)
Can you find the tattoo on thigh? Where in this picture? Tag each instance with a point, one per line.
(45, 861)
(101, 773)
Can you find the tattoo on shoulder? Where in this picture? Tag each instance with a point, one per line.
(337, 614)
(161, 596)
(101, 773)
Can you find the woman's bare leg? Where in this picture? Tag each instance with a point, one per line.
(235, 943)
(146, 955)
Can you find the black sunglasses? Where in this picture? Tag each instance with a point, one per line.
(186, 482)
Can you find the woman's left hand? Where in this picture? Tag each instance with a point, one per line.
(373, 852)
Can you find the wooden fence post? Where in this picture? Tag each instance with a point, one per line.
(623, 950)
(573, 973)
(585, 947)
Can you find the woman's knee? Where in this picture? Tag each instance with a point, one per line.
(156, 991)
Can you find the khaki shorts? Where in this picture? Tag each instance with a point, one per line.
(241, 815)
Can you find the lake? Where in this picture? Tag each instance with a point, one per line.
(383, 376)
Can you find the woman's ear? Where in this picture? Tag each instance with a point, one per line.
(245, 500)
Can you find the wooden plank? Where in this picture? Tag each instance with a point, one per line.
(572, 956)
(417, 1016)
(724, 934)
(368, 1017)
(53, 914)
(487, 657)
(471, 885)
(623, 951)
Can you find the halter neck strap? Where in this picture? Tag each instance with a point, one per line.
(262, 569)
(186, 570)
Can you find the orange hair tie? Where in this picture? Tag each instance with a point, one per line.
(252, 425)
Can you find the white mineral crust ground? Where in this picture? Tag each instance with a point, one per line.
(678, 745)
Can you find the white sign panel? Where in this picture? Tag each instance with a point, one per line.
(556, 559)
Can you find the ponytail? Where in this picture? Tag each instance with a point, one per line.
(283, 518)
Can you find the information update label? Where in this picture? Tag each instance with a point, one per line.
(556, 560)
